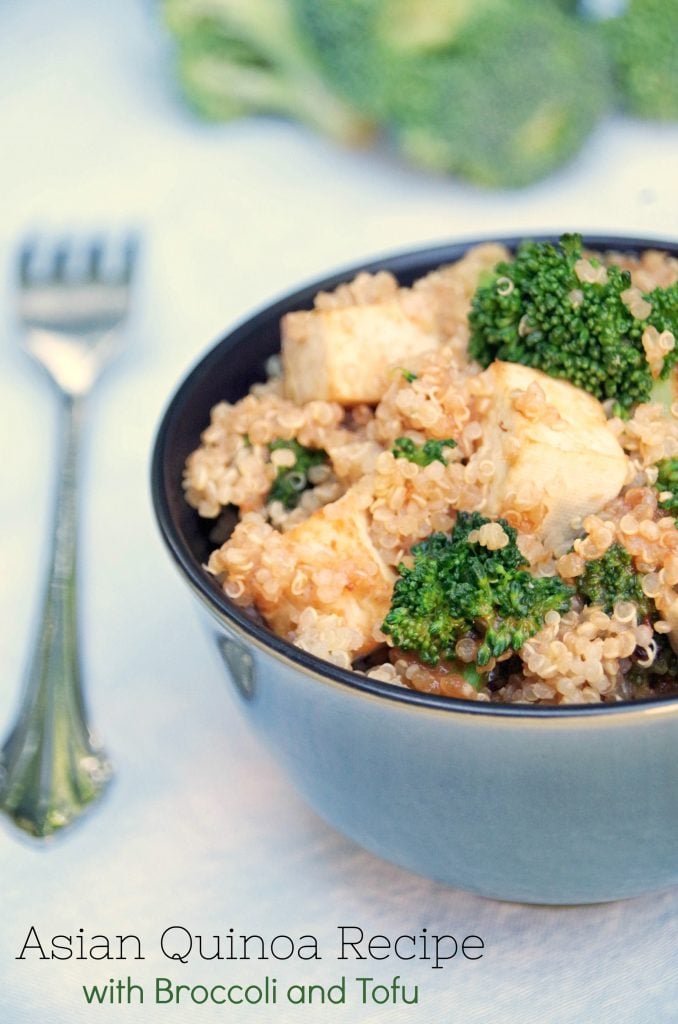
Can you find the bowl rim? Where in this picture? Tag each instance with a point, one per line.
(260, 636)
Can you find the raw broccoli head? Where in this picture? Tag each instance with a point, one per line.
(667, 481)
(240, 57)
(498, 91)
(458, 588)
(513, 97)
(359, 45)
(643, 44)
(351, 49)
(534, 310)
(292, 481)
(422, 454)
(610, 579)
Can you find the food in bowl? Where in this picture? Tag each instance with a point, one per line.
(467, 486)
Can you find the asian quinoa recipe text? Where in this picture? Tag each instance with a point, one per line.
(469, 486)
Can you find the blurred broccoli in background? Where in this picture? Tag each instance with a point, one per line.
(644, 45)
(515, 96)
(499, 92)
(238, 57)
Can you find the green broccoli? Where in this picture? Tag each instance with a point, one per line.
(610, 579)
(498, 91)
(613, 578)
(291, 481)
(347, 38)
(664, 317)
(422, 454)
(238, 58)
(643, 44)
(458, 588)
(667, 481)
(534, 310)
(534, 79)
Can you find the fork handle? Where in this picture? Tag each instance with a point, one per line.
(51, 767)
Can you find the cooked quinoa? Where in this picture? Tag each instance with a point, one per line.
(324, 542)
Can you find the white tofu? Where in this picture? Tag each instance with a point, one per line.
(567, 452)
(448, 291)
(336, 570)
(344, 354)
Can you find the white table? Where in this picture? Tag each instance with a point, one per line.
(199, 828)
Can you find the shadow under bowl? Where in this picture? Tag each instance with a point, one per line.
(533, 804)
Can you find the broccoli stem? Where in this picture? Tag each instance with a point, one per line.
(223, 88)
(471, 675)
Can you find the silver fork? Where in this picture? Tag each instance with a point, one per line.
(72, 298)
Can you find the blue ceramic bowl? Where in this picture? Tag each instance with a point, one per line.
(535, 804)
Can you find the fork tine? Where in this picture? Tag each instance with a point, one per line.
(77, 285)
(130, 254)
(105, 263)
(60, 256)
(25, 261)
(95, 259)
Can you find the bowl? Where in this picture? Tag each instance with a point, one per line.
(562, 805)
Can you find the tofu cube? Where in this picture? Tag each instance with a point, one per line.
(344, 354)
(332, 567)
(558, 449)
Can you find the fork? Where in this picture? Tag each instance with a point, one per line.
(71, 302)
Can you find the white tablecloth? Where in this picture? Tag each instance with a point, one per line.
(199, 829)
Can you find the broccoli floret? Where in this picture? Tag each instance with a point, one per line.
(458, 588)
(422, 454)
(613, 578)
(291, 481)
(664, 317)
(497, 91)
(643, 45)
(667, 481)
(534, 310)
(610, 579)
(238, 58)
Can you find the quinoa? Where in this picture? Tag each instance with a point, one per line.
(320, 571)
